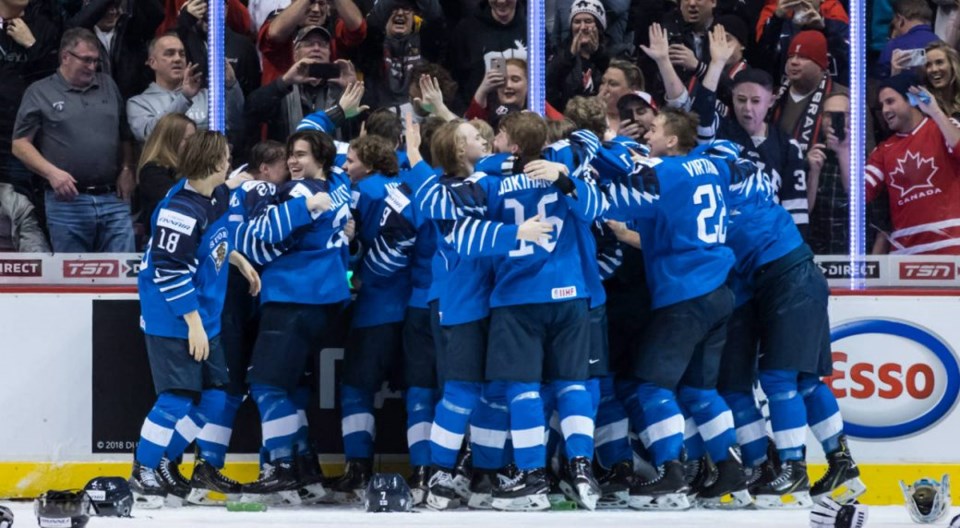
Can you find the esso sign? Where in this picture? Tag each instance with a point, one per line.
(891, 378)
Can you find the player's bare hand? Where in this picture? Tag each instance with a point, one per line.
(350, 229)
(544, 170)
(319, 202)
(350, 100)
(534, 229)
(247, 270)
(197, 337)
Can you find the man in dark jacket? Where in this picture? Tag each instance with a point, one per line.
(499, 29)
(578, 66)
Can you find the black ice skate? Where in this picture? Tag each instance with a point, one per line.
(311, 478)
(579, 484)
(463, 472)
(351, 487)
(728, 490)
(698, 473)
(277, 485)
(763, 474)
(789, 490)
(527, 491)
(842, 481)
(209, 487)
(482, 484)
(442, 493)
(419, 482)
(178, 487)
(615, 486)
(667, 491)
(149, 492)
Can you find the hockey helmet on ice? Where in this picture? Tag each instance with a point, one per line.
(6, 517)
(927, 500)
(110, 496)
(62, 509)
(388, 492)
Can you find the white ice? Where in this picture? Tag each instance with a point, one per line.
(212, 517)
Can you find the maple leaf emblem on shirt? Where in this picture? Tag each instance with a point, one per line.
(913, 173)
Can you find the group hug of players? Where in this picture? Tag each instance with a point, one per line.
(541, 350)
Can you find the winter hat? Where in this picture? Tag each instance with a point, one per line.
(593, 7)
(900, 83)
(735, 26)
(811, 45)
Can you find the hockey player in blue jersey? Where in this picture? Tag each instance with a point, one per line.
(790, 298)
(304, 290)
(678, 202)
(182, 284)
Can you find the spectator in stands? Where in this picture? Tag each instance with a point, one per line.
(687, 28)
(910, 33)
(123, 37)
(497, 29)
(238, 18)
(157, 170)
(920, 169)
(798, 112)
(284, 102)
(579, 64)
(26, 41)
(500, 94)
(621, 77)
(72, 130)
(276, 39)
(19, 229)
(618, 34)
(401, 34)
(179, 87)
(800, 16)
(239, 52)
(434, 91)
(636, 111)
(941, 76)
(261, 10)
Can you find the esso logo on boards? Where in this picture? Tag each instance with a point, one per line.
(891, 378)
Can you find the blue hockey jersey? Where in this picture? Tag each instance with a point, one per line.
(183, 267)
(262, 223)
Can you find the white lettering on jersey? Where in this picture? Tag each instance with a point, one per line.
(180, 223)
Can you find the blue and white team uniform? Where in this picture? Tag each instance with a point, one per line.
(790, 301)
(182, 272)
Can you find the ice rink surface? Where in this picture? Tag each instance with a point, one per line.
(206, 517)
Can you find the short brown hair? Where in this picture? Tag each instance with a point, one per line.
(446, 147)
(527, 131)
(321, 147)
(588, 113)
(268, 152)
(377, 154)
(682, 124)
(385, 123)
(74, 36)
(631, 73)
(202, 154)
(913, 10)
(558, 129)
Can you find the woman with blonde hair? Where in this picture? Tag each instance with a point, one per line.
(941, 75)
(157, 170)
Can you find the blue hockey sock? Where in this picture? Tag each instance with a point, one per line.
(692, 441)
(185, 432)
(662, 422)
(527, 425)
(301, 398)
(612, 433)
(714, 420)
(220, 408)
(420, 406)
(357, 424)
(823, 413)
(751, 427)
(488, 427)
(788, 414)
(575, 407)
(450, 421)
(593, 387)
(158, 427)
(278, 420)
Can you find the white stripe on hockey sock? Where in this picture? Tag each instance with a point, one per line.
(532, 437)
(690, 429)
(156, 434)
(418, 432)
(488, 437)
(663, 429)
(187, 428)
(444, 438)
(216, 434)
(572, 425)
(286, 426)
(751, 432)
(790, 438)
(605, 434)
(832, 426)
(302, 418)
(716, 427)
(358, 423)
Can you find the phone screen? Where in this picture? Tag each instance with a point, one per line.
(323, 71)
(838, 124)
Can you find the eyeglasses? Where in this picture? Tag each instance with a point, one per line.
(88, 61)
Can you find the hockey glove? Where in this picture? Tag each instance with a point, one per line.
(831, 514)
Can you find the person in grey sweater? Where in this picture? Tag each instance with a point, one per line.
(19, 229)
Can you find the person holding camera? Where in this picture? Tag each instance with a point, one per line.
(911, 32)
(577, 67)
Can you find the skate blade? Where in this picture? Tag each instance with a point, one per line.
(461, 485)
(205, 497)
(148, 502)
(438, 503)
(279, 498)
(312, 493)
(583, 495)
(538, 502)
(480, 501)
(669, 501)
(349, 497)
(846, 492)
(172, 501)
(616, 500)
(736, 500)
(799, 500)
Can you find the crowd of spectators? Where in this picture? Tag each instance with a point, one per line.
(96, 95)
